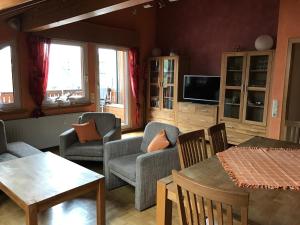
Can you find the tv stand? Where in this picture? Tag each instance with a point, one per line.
(194, 116)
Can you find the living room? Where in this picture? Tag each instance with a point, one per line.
(103, 59)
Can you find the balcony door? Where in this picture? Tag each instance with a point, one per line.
(113, 83)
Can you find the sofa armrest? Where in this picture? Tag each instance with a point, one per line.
(150, 167)
(158, 164)
(112, 135)
(115, 149)
(66, 139)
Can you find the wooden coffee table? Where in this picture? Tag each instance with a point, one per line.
(41, 181)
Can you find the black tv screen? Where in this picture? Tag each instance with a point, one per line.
(201, 88)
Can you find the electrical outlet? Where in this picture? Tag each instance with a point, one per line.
(274, 108)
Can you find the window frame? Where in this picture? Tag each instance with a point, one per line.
(15, 77)
(84, 74)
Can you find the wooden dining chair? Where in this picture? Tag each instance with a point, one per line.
(191, 148)
(292, 133)
(196, 203)
(217, 138)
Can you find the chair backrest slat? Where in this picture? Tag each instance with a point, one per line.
(217, 138)
(191, 148)
(292, 131)
(196, 202)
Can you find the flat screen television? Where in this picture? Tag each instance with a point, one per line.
(201, 88)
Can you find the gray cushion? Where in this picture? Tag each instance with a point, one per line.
(3, 141)
(6, 156)
(91, 148)
(21, 149)
(153, 128)
(125, 166)
(105, 122)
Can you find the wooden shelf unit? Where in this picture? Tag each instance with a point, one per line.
(164, 87)
(244, 93)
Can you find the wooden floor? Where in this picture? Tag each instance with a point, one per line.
(82, 211)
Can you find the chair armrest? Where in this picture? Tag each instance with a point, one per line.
(156, 165)
(66, 139)
(114, 134)
(115, 149)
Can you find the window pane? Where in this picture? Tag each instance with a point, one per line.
(65, 71)
(108, 74)
(6, 84)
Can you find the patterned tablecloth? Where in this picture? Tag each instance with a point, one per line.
(269, 168)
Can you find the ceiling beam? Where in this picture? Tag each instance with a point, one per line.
(89, 32)
(6, 4)
(57, 13)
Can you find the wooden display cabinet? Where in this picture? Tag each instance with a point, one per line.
(165, 75)
(244, 95)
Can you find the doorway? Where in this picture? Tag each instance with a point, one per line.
(112, 83)
(291, 114)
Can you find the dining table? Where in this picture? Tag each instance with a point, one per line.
(266, 206)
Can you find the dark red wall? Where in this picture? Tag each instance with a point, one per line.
(203, 29)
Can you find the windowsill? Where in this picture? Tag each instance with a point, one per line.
(115, 105)
(74, 105)
(13, 111)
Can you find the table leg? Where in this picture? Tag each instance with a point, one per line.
(31, 215)
(100, 203)
(164, 205)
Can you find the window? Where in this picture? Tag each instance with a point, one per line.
(113, 82)
(67, 81)
(9, 97)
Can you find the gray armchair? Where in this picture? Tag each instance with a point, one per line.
(127, 161)
(108, 126)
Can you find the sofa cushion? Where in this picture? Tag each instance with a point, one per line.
(125, 166)
(105, 122)
(87, 132)
(6, 156)
(92, 148)
(159, 142)
(21, 149)
(154, 128)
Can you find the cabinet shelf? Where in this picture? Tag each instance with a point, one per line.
(256, 106)
(229, 70)
(233, 104)
(258, 71)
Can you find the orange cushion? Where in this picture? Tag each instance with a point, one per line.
(160, 141)
(87, 131)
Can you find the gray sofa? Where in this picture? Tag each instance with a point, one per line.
(127, 161)
(108, 126)
(13, 150)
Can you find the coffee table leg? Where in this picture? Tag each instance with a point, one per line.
(164, 205)
(31, 215)
(100, 203)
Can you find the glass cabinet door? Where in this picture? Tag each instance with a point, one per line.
(154, 83)
(168, 83)
(256, 86)
(233, 87)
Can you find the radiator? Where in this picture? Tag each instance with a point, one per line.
(42, 132)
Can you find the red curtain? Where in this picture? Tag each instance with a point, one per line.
(39, 49)
(134, 73)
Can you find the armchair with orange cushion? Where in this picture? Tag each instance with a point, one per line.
(86, 139)
(141, 161)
